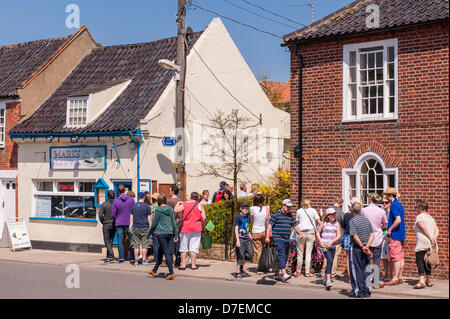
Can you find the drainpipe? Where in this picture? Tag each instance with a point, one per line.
(299, 149)
(138, 177)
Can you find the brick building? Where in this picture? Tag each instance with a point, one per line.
(375, 114)
(29, 73)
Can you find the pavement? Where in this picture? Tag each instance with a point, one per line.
(218, 270)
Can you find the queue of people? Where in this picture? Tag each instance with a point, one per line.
(173, 228)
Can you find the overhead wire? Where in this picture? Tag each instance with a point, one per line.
(259, 15)
(274, 13)
(236, 21)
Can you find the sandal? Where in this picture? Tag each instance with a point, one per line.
(429, 284)
(181, 268)
(419, 285)
(194, 268)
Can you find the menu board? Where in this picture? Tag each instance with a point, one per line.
(43, 206)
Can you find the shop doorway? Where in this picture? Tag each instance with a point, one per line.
(128, 187)
(7, 202)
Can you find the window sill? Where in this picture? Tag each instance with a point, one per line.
(364, 120)
(85, 220)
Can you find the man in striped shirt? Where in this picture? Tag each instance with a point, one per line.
(361, 237)
(281, 224)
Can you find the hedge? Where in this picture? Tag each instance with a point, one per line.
(220, 215)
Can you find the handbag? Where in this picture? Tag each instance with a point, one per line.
(266, 260)
(181, 221)
(432, 258)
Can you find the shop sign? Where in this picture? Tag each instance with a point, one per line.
(81, 157)
(15, 235)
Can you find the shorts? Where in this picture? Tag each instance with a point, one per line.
(190, 242)
(245, 251)
(345, 242)
(140, 238)
(397, 251)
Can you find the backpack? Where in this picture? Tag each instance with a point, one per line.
(219, 196)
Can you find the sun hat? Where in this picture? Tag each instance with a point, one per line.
(355, 200)
(287, 202)
(391, 191)
(155, 196)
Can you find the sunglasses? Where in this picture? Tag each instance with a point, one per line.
(385, 202)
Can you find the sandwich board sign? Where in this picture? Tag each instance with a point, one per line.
(15, 234)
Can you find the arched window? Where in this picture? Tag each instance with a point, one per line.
(369, 175)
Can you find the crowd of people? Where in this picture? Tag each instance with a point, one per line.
(172, 229)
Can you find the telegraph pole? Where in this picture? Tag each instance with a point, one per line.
(179, 112)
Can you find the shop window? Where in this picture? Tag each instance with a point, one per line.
(86, 187)
(44, 186)
(66, 187)
(68, 200)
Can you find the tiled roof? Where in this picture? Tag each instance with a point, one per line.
(393, 13)
(19, 61)
(281, 91)
(103, 66)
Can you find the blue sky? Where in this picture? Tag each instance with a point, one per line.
(119, 22)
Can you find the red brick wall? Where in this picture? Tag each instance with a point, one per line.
(417, 143)
(8, 154)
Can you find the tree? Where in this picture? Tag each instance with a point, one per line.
(228, 144)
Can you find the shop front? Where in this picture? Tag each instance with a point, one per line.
(63, 186)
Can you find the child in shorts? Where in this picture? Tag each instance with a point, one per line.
(244, 247)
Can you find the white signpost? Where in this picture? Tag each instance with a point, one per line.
(15, 234)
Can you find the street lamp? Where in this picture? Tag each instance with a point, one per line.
(169, 65)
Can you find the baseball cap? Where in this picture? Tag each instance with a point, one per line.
(330, 211)
(141, 194)
(245, 204)
(223, 183)
(287, 202)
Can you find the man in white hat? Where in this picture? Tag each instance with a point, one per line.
(281, 224)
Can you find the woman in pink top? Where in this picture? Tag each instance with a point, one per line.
(194, 219)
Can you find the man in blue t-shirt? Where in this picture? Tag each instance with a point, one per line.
(244, 247)
(281, 224)
(140, 218)
(396, 232)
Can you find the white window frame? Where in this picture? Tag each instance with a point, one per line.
(55, 192)
(88, 107)
(3, 135)
(346, 96)
(356, 170)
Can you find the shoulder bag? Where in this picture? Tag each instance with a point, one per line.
(181, 221)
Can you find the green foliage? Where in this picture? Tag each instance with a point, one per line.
(278, 189)
(221, 215)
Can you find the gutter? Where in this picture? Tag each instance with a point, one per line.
(73, 134)
(138, 174)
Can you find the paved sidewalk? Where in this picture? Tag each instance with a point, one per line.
(213, 269)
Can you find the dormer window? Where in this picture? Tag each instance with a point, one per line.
(77, 111)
